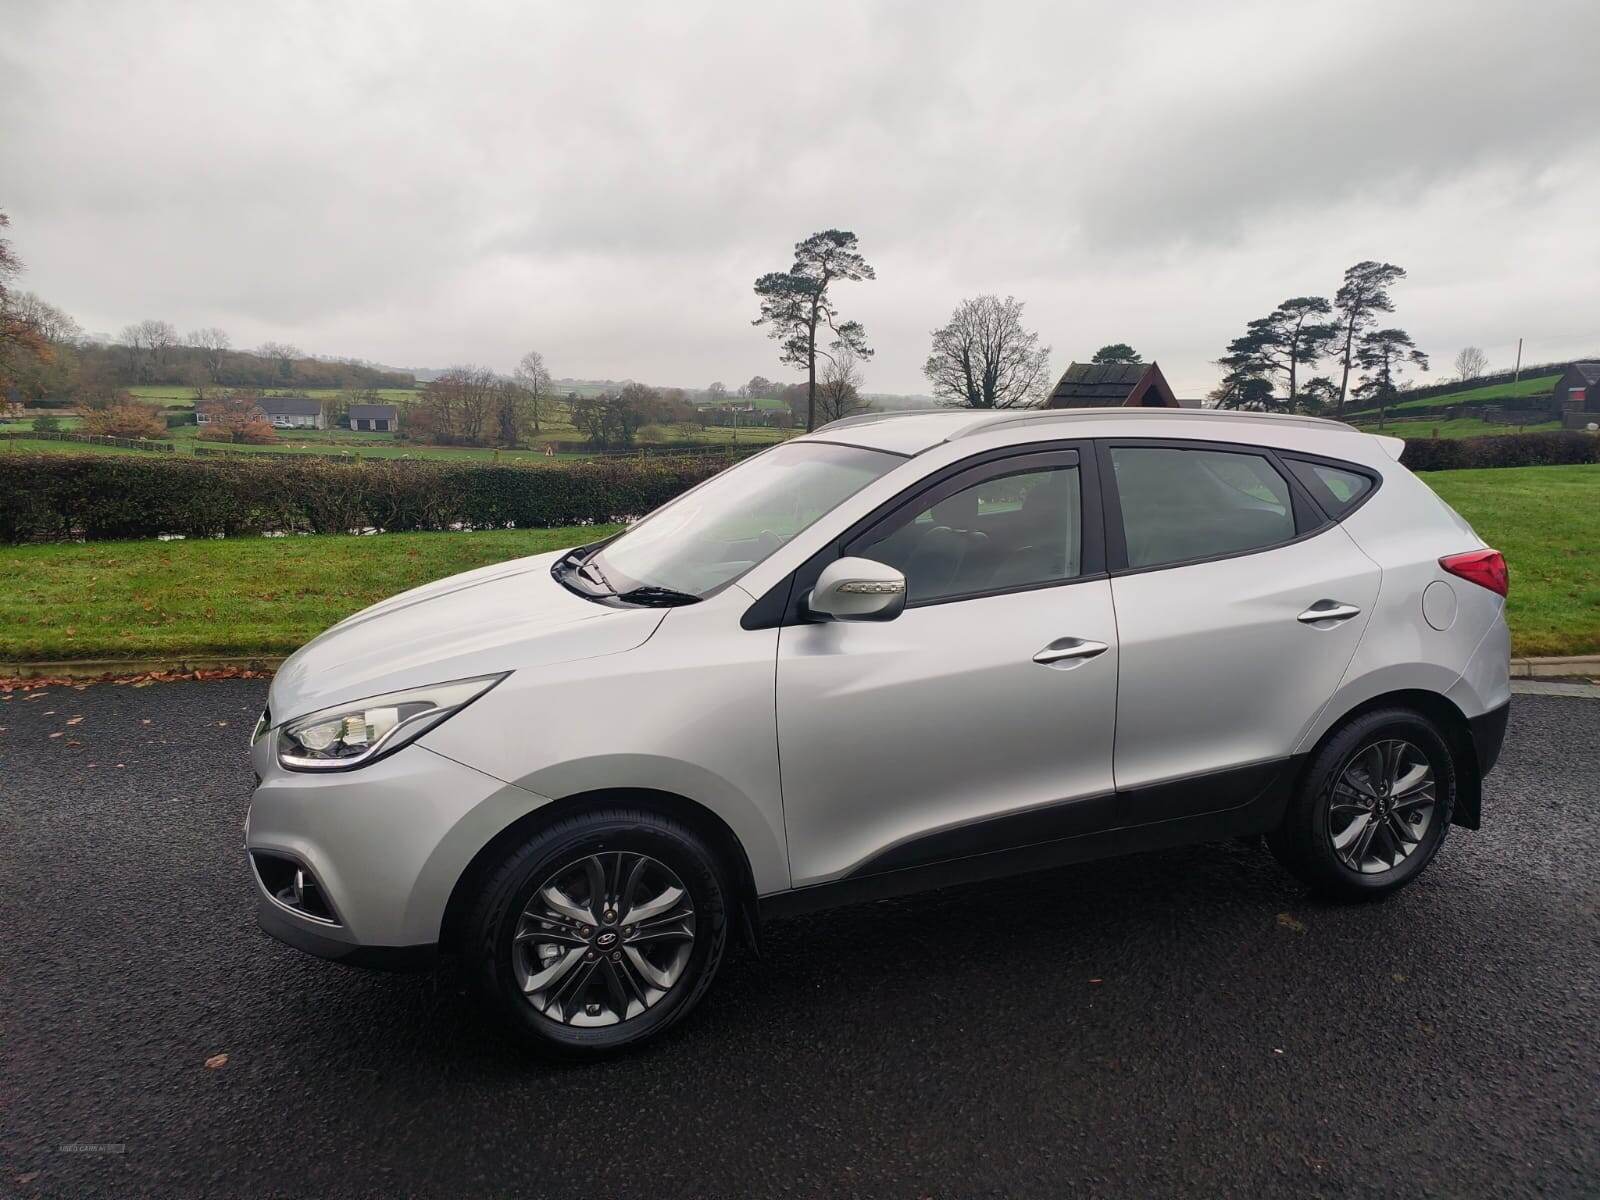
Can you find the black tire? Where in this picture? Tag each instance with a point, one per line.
(491, 929)
(1303, 843)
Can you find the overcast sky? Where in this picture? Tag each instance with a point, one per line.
(433, 184)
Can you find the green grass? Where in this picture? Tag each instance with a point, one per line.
(1546, 521)
(247, 596)
(241, 596)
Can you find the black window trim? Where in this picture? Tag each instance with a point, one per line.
(783, 604)
(1309, 517)
(1321, 493)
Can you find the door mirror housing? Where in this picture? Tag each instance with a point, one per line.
(858, 589)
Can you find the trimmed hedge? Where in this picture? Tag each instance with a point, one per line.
(1506, 450)
(59, 496)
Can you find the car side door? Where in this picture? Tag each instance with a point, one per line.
(1239, 605)
(982, 716)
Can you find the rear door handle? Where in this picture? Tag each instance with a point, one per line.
(1069, 650)
(1328, 610)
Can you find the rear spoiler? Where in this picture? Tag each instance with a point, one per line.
(1392, 446)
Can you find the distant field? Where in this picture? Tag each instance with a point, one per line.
(1459, 427)
(384, 445)
(172, 395)
(1541, 385)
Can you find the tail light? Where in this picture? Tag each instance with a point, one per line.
(1486, 568)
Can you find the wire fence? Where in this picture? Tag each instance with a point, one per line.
(88, 439)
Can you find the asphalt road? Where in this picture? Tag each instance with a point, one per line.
(1182, 1023)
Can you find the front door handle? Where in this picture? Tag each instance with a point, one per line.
(1328, 610)
(1069, 649)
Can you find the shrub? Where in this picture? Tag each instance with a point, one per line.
(1507, 450)
(128, 419)
(55, 496)
(46, 424)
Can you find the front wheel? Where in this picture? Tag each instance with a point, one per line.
(600, 931)
(1374, 807)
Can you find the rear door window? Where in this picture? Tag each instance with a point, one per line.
(1183, 504)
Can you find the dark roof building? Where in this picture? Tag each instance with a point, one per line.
(374, 418)
(1113, 385)
(1584, 378)
(290, 406)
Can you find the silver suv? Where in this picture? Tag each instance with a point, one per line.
(898, 653)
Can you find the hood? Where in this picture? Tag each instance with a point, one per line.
(511, 616)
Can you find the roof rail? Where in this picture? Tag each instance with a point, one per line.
(1054, 415)
(874, 418)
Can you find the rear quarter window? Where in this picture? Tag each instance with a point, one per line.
(1337, 489)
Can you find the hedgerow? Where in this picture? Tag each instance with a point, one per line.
(60, 496)
(1507, 450)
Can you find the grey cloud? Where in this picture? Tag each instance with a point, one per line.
(431, 184)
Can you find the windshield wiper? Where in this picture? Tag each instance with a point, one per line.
(658, 597)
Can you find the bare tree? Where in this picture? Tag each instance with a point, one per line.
(53, 324)
(149, 344)
(212, 343)
(283, 354)
(534, 379)
(1471, 363)
(984, 358)
(839, 392)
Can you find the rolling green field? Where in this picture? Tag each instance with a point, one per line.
(1541, 385)
(266, 596)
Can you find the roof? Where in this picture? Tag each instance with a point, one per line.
(1097, 383)
(913, 432)
(1589, 372)
(372, 412)
(289, 406)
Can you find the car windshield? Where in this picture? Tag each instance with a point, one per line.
(735, 520)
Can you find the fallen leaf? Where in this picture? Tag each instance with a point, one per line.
(1289, 922)
(74, 720)
(56, 734)
(215, 1061)
(1095, 982)
(28, 1177)
(1397, 977)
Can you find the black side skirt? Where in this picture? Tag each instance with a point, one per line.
(1075, 831)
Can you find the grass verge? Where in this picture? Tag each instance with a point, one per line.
(239, 596)
(1546, 521)
(267, 596)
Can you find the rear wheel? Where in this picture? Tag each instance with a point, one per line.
(1374, 807)
(600, 931)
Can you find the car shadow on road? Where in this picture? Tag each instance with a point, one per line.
(1151, 930)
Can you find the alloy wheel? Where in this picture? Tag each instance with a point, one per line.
(603, 939)
(1383, 806)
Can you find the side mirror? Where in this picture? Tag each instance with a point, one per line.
(858, 589)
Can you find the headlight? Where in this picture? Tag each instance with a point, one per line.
(354, 734)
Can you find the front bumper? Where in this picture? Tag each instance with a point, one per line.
(305, 936)
(386, 845)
